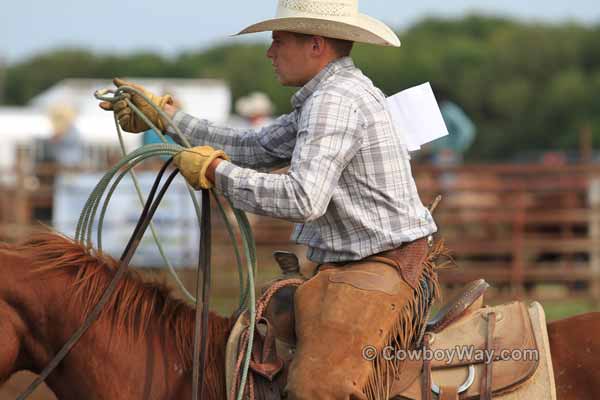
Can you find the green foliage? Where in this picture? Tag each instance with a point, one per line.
(244, 67)
(25, 80)
(526, 86)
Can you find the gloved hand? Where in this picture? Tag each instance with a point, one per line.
(130, 121)
(194, 162)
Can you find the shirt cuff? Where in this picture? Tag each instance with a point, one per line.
(226, 175)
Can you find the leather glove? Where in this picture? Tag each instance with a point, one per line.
(194, 162)
(129, 120)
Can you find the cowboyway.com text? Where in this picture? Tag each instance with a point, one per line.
(451, 355)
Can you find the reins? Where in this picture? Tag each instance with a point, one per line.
(84, 233)
(130, 248)
(201, 323)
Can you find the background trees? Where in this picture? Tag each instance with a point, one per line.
(527, 86)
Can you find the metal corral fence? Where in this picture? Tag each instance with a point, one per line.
(522, 227)
(530, 230)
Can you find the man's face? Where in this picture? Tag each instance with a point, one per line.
(291, 59)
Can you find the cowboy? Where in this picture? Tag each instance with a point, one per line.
(349, 188)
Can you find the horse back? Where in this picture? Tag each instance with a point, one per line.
(575, 349)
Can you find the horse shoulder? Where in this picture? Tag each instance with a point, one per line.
(10, 341)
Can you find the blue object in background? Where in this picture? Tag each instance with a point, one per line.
(461, 130)
(151, 137)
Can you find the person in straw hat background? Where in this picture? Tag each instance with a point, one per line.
(65, 146)
(349, 188)
(256, 108)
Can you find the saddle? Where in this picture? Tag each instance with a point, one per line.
(468, 350)
(274, 336)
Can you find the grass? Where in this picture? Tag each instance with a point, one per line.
(563, 309)
(225, 296)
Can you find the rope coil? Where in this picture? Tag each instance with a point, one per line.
(247, 294)
(85, 224)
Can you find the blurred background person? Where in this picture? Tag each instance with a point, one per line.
(448, 152)
(65, 146)
(450, 149)
(256, 108)
(64, 149)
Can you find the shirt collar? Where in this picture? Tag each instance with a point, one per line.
(331, 69)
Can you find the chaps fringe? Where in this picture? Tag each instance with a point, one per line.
(407, 330)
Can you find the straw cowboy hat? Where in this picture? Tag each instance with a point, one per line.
(338, 19)
(255, 104)
(61, 117)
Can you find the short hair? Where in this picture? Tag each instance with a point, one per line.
(341, 47)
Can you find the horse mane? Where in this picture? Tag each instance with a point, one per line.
(6, 246)
(134, 307)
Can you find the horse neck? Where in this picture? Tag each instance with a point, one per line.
(20, 315)
(105, 363)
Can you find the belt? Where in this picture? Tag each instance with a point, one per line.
(409, 259)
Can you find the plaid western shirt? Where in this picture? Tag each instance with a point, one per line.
(349, 184)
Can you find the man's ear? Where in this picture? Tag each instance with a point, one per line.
(318, 44)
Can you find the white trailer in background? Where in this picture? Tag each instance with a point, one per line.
(175, 219)
(203, 98)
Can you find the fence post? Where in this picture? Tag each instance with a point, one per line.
(518, 262)
(594, 232)
(22, 206)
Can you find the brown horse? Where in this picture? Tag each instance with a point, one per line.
(141, 348)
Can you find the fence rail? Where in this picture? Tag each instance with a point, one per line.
(521, 227)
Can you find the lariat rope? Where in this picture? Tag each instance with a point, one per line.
(149, 210)
(247, 293)
(84, 235)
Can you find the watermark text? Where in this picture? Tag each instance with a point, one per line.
(451, 355)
